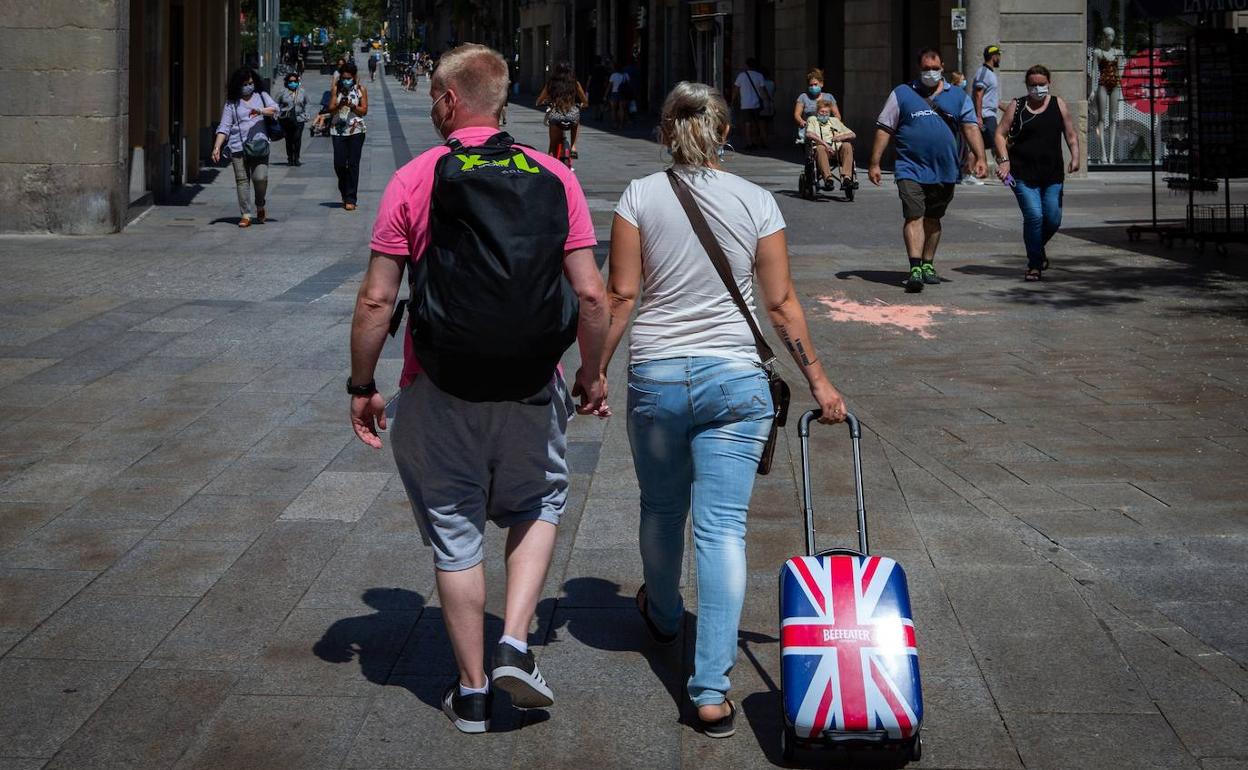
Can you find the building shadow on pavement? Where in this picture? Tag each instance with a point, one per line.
(394, 650)
(1091, 281)
(670, 665)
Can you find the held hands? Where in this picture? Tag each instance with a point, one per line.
(1003, 170)
(368, 415)
(591, 388)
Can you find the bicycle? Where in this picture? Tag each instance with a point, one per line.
(563, 151)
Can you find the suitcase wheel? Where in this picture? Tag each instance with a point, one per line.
(787, 750)
(916, 748)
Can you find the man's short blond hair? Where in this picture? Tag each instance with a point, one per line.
(478, 75)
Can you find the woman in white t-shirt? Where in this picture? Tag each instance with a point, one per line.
(699, 409)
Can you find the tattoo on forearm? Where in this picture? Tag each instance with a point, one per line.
(795, 346)
(783, 331)
(801, 352)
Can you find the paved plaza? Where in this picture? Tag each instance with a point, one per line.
(200, 567)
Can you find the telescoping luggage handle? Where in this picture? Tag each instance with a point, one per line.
(855, 434)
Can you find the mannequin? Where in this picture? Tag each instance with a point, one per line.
(1105, 64)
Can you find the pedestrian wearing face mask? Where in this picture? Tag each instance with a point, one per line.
(499, 243)
(242, 130)
(292, 105)
(1029, 158)
(987, 95)
(928, 120)
(807, 103)
(348, 104)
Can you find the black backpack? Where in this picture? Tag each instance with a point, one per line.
(492, 312)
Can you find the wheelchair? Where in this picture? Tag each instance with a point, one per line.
(810, 183)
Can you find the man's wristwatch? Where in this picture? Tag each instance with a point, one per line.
(367, 389)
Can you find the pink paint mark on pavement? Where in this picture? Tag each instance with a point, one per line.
(918, 319)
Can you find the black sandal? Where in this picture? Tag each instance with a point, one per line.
(575, 155)
(722, 727)
(656, 635)
(1032, 275)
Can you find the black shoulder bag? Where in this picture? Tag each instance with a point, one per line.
(779, 388)
(1016, 125)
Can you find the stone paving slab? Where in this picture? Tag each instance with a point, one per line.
(183, 508)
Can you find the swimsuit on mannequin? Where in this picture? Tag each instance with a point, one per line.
(1105, 65)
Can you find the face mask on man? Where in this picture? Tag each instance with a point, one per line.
(815, 90)
(248, 90)
(1038, 92)
(433, 116)
(931, 78)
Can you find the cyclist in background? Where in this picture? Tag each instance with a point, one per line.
(564, 99)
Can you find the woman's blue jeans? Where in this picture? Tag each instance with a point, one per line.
(1042, 215)
(697, 428)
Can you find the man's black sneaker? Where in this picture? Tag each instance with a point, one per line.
(929, 274)
(656, 634)
(516, 673)
(914, 283)
(469, 713)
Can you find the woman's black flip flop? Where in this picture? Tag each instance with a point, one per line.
(722, 727)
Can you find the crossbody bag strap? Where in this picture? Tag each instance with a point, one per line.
(720, 260)
(758, 95)
(949, 120)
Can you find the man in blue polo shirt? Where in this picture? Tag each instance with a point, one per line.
(928, 119)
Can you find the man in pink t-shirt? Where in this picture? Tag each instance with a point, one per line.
(464, 462)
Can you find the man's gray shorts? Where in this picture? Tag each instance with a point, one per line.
(463, 462)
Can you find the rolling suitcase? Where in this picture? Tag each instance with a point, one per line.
(849, 672)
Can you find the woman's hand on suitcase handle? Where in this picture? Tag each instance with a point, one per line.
(830, 402)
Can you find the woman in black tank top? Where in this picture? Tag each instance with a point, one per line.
(1029, 145)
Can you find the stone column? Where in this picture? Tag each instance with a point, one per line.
(63, 95)
(983, 28)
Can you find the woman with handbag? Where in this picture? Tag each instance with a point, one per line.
(1029, 159)
(348, 104)
(703, 398)
(244, 131)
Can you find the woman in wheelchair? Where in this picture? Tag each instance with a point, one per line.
(827, 137)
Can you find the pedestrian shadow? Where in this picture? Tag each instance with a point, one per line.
(894, 278)
(331, 204)
(670, 665)
(392, 650)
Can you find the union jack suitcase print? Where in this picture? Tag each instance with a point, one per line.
(849, 665)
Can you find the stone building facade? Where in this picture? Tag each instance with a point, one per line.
(865, 47)
(105, 104)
